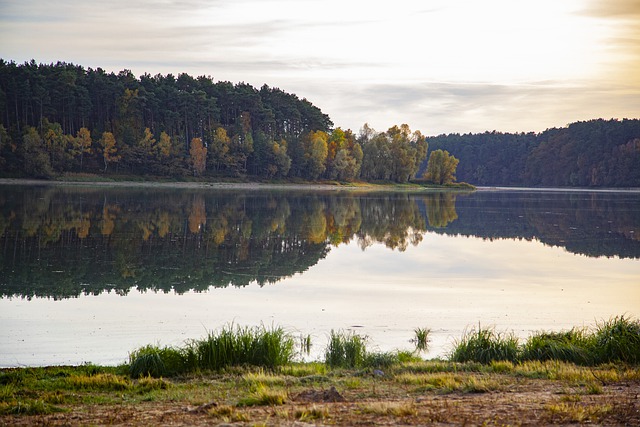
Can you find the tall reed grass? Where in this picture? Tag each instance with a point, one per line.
(345, 350)
(259, 346)
(615, 340)
(485, 345)
(231, 346)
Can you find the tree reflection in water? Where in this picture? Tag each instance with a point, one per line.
(61, 242)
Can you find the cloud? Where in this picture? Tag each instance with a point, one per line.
(613, 8)
(446, 107)
(441, 66)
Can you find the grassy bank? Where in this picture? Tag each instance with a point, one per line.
(250, 376)
(410, 393)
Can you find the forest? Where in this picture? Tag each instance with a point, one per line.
(595, 153)
(62, 119)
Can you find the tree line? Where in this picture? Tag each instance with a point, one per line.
(595, 153)
(62, 118)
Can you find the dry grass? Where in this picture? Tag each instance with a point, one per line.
(415, 393)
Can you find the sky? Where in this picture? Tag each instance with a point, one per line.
(440, 66)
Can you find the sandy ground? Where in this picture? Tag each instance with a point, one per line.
(526, 403)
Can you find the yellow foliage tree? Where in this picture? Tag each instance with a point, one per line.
(109, 149)
(198, 153)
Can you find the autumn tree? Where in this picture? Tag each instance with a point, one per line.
(219, 149)
(279, 160)
(198, 155)
(315, 153)
(108, 148)
(163, 146)
(81, 144)
(441, 168)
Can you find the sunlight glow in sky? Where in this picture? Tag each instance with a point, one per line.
(440, 66)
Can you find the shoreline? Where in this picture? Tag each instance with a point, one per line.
(312, 186)
(217, 185)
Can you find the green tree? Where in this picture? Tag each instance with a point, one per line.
(5, 144)
(56, 144)
(441, 168)
(34, 154)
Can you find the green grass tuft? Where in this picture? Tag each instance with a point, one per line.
(345, 350)
(264, 396)
(259, 346)
(570, 346)
(421, 338)
(157, 362)
(485, 345)
(29, 407)
(617, 340)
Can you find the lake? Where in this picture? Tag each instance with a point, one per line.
(88, 274)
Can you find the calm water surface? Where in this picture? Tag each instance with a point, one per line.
(90, 274)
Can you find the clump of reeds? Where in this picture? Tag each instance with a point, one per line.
(569, 346)
(421, 339)
(231, 346)
(345, 350)
(157, 362)
(258, 346)
(485, 345)
(617, 340)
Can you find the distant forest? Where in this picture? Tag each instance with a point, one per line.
(61, 118)
(595, 153)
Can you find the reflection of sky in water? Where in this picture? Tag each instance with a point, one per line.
(446, 283)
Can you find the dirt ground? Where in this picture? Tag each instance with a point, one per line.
(526, 403)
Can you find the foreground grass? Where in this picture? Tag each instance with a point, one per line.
(249, 376)
(543, 392)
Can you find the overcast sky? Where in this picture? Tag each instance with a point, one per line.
(440, 66)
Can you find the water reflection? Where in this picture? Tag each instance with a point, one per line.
(62, 242)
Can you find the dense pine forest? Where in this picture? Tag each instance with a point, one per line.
(61, 119)
(596, 153)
